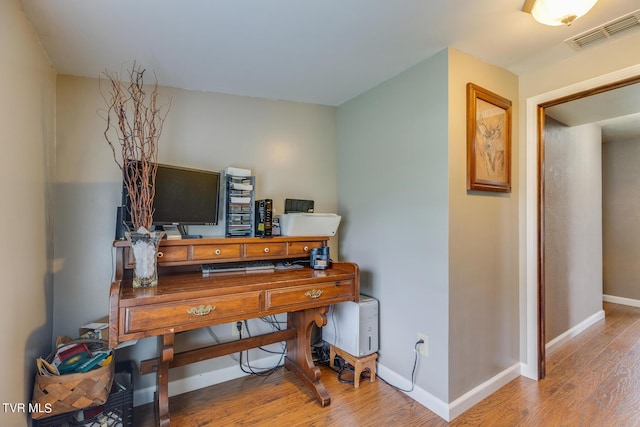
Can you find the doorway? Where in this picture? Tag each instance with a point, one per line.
(534, 266)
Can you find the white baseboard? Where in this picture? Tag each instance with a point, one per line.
(446, 411)
(418, 394)
(529, 371)
(450, 411)
(621, 300)
(195, 382)
(561, 339)
(484, 390)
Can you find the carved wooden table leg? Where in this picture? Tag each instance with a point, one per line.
(166, 356)
(299, 358)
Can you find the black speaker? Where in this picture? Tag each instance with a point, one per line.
(120, 228)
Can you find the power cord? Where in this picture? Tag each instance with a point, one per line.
(249, 369)
(322, 353)
(343, 367)
(413, 371)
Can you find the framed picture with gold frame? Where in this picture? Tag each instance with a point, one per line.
(488, 141)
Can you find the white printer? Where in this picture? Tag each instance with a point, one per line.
(309, 224)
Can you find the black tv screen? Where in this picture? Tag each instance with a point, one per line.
(183, 196)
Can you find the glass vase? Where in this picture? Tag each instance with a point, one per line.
(144, 247)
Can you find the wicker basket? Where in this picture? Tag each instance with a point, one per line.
(70, 392)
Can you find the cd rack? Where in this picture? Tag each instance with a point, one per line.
(239, 206)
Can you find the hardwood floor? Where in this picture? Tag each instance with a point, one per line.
(593, 380)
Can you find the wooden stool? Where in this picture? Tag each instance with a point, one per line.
(359, 363)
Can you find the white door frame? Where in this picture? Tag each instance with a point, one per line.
(529, 226)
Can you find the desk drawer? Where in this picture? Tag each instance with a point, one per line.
(266, 249)
(173, 254)
(303, 248)
(181, 314)
(166, 254)
(310, 296)
(213, 252)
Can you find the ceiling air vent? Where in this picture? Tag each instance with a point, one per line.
(617, 27)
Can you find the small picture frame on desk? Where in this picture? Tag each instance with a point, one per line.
(488, 141)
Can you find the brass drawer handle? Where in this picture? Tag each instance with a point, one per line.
(202, 310)
(314, 293)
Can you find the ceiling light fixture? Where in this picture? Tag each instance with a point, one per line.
(557, 12)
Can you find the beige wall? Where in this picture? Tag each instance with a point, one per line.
(573, 225)
(27, 85)
(483, 243)
(290, 147)
(620, 212)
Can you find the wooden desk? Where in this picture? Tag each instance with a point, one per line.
(185, 300)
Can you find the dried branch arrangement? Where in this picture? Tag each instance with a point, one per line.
(134, 124)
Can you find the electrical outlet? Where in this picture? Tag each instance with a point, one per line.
(234, 328)
(423, 348)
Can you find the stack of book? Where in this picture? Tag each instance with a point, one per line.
(264, 218)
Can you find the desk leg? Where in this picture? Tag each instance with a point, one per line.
(162, 375)
(299, 358)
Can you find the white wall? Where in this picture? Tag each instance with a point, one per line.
(290, 147)
(27, 100)
(393, 175)
(573, 225)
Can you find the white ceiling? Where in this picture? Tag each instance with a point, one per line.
(323, 51)
(616, 111)
(621, 128)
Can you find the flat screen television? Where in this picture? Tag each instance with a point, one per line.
(183, 196)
